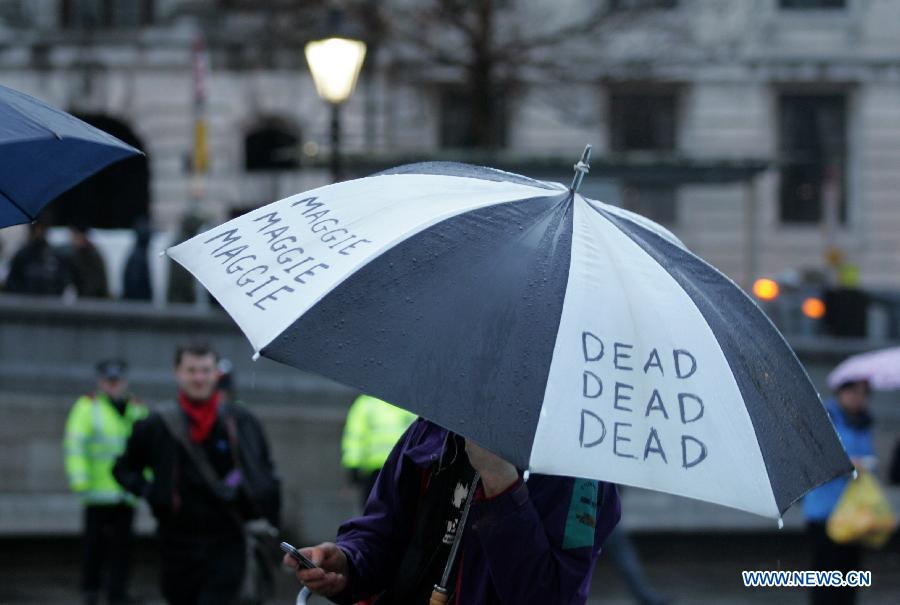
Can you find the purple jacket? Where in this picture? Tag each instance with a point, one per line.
(535, 543)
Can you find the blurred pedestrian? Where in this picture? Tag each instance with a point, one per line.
(87, 266)
(182, 287)
(38, 268)
(211, 472)
(517, 543)
(136, 278)
(96, 431)
(372, 429)
(853, 423)
(894, 469)
(620, 551)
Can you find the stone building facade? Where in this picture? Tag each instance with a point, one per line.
(806, 93)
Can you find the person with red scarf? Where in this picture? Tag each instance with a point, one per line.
(211, 472)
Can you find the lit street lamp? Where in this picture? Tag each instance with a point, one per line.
(335, 63)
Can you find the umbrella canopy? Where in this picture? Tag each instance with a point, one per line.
(881, 369)
(568, 336)
(44, 152)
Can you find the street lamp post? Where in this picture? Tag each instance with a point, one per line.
(335, 63)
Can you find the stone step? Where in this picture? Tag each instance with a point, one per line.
(53, 514)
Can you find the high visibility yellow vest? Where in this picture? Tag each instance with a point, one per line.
(95, 436)
(373, 427)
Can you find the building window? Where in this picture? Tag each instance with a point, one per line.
(618, 5)
(656, 202)
(645, 122)
(813, 149)
(272, 145)
(801, 4)
(98, 14)
(461, 122)
(642, 121)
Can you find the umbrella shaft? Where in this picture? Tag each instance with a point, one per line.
(459, 531)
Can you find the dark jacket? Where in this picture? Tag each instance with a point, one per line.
(88, 272)
(894, 471)
(535, 543)
(136, 279)
(38, 268)
(183, 503)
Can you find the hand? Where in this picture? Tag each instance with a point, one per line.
(330, 576)
(496, 473)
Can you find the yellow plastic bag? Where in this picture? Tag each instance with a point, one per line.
(863, 514)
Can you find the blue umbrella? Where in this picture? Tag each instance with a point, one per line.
(44, 152)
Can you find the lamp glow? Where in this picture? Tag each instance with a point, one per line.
(765, 289)
(335, 64)
(813, 308)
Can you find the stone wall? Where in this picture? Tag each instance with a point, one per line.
(727, 59)
(47, 354)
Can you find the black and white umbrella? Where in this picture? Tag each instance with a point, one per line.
(569, 336)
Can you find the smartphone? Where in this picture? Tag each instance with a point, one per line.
(303, 561)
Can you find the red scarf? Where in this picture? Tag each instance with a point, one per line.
(201, 414)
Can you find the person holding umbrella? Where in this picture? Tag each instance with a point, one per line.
(517, 541)
(881, 370)
(568, 337)
(853, 423)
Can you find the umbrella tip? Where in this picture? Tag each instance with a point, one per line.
(581, 168)
(780, 523)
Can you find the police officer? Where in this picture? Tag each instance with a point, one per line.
(372, 428)
(96, 432)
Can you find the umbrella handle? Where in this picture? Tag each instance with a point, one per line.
(439, 596)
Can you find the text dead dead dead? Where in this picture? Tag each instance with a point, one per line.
(622, 436)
